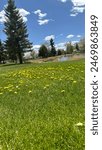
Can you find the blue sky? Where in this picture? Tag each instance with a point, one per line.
(63, 20)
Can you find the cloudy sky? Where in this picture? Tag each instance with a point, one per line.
(62, 20)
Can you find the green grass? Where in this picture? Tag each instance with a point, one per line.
(41, 105)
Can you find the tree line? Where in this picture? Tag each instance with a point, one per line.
(48, 51)
(17, 42)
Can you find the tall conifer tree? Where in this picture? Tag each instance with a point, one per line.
(16, 30)
(53, 50)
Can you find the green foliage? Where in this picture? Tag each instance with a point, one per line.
(33, 54)
(53, 49)
(77, 47)
(43, 51)
(17, 37)
(3, 55)
(59, 52)
(41, 106)
(69, 48)
(82, 45)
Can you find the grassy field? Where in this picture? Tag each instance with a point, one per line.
(42, 106)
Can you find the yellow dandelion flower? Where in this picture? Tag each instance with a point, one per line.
(15, 92)
(45, 87)
(30, 91)
(6, 87)
(74, 81)
(60, 79)
(79, 124)
(10, 90)
(62, 91)
(1, 147)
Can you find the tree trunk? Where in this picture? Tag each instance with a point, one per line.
(20, 58)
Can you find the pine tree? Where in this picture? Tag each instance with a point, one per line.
(43, 51)
(53, 50)
(2, 53)
(77, 47)
(16, 30)
(59, 52)
(69, 48)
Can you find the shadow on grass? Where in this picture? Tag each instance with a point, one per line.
(14, 64)
(4, 65)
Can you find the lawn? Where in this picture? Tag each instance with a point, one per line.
(42, 106)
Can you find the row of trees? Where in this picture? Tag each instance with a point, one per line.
(48, 51)
(45, 51)
(17, 37)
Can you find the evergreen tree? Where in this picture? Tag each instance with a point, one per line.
(59, 52)
(77, 47)
(82, 45)
(53, 50)
(43, 51)
(69, 48)
(2, 53)
(15, 28)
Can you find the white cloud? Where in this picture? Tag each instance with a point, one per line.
(37, 11)
(70, 36)
(63, 1)
(75, 2)
(60, 45)
(43, 22)
(78, 36)
(47, 38)
(40, 14)
(73, 15)
(36, 47)
(78, 7)
(76, 10)
(22, 12)
(78, 2)
(74, 42)
(2, 16)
